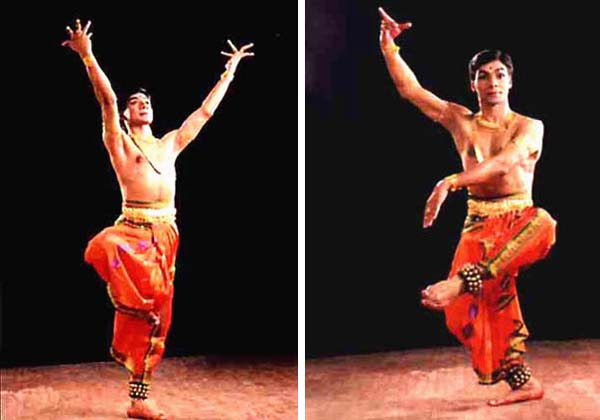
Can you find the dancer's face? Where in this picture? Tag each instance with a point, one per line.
(492, 82)
(139, 109)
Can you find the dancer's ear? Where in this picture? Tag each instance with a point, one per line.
(124, 121)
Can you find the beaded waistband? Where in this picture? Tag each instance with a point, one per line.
(497, 206)
(140, 215)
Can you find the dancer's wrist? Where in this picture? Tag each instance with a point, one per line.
(452, 182)
(390, 49)
(87, 59)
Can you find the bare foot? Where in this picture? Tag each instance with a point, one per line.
(532, 390)
(439, 295)
(142, 409)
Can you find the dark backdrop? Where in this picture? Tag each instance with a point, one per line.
(372, 160)
(236, 283)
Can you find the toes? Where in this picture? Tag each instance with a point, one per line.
(496, 403)
(431, 305)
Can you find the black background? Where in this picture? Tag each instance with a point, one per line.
(373, 158)
(236, 282)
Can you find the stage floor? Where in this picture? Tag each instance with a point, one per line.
(189, 388)
(427, 384)
(419, 384)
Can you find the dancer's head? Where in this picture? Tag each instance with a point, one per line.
(491, 73)
(138, 108)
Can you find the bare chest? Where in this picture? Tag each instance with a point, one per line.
(151, 160)
(481, 143)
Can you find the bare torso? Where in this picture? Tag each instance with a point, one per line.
(146, 171)
(476, 142)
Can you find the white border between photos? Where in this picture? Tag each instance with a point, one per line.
(301, 213)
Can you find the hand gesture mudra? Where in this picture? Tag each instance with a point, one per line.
(236, 55)
(79, 39)
(390, 29)
(434, 203)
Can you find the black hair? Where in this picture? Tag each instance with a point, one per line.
(137, 91)
(122, 119)
(487, 56)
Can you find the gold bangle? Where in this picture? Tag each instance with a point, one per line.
(394, 49)
(225, 74)
(452, 180)
(87, 60)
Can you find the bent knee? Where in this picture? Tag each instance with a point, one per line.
(548, 226)
(100, 246)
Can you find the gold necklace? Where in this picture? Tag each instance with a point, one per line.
(145, 139)
(494, 125)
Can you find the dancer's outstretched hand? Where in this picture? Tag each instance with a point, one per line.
(79, 39)
(390, 29)
(236, 55)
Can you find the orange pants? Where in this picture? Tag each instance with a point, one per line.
(490, 325)
(138, 264)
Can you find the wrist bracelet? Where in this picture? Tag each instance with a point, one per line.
(394, 49)
(225, 74)
(87, 60)
(452, 180)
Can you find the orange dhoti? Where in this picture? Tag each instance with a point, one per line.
(136, 258)
(502, 236)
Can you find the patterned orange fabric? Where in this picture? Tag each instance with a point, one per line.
(137, 261)
(490, 325)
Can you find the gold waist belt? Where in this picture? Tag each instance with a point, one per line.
(148, 215)
(498, 206)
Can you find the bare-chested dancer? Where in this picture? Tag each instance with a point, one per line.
(136, 256)
(503, 230)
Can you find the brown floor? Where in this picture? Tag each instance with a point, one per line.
(190, 388)
(439, 384)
